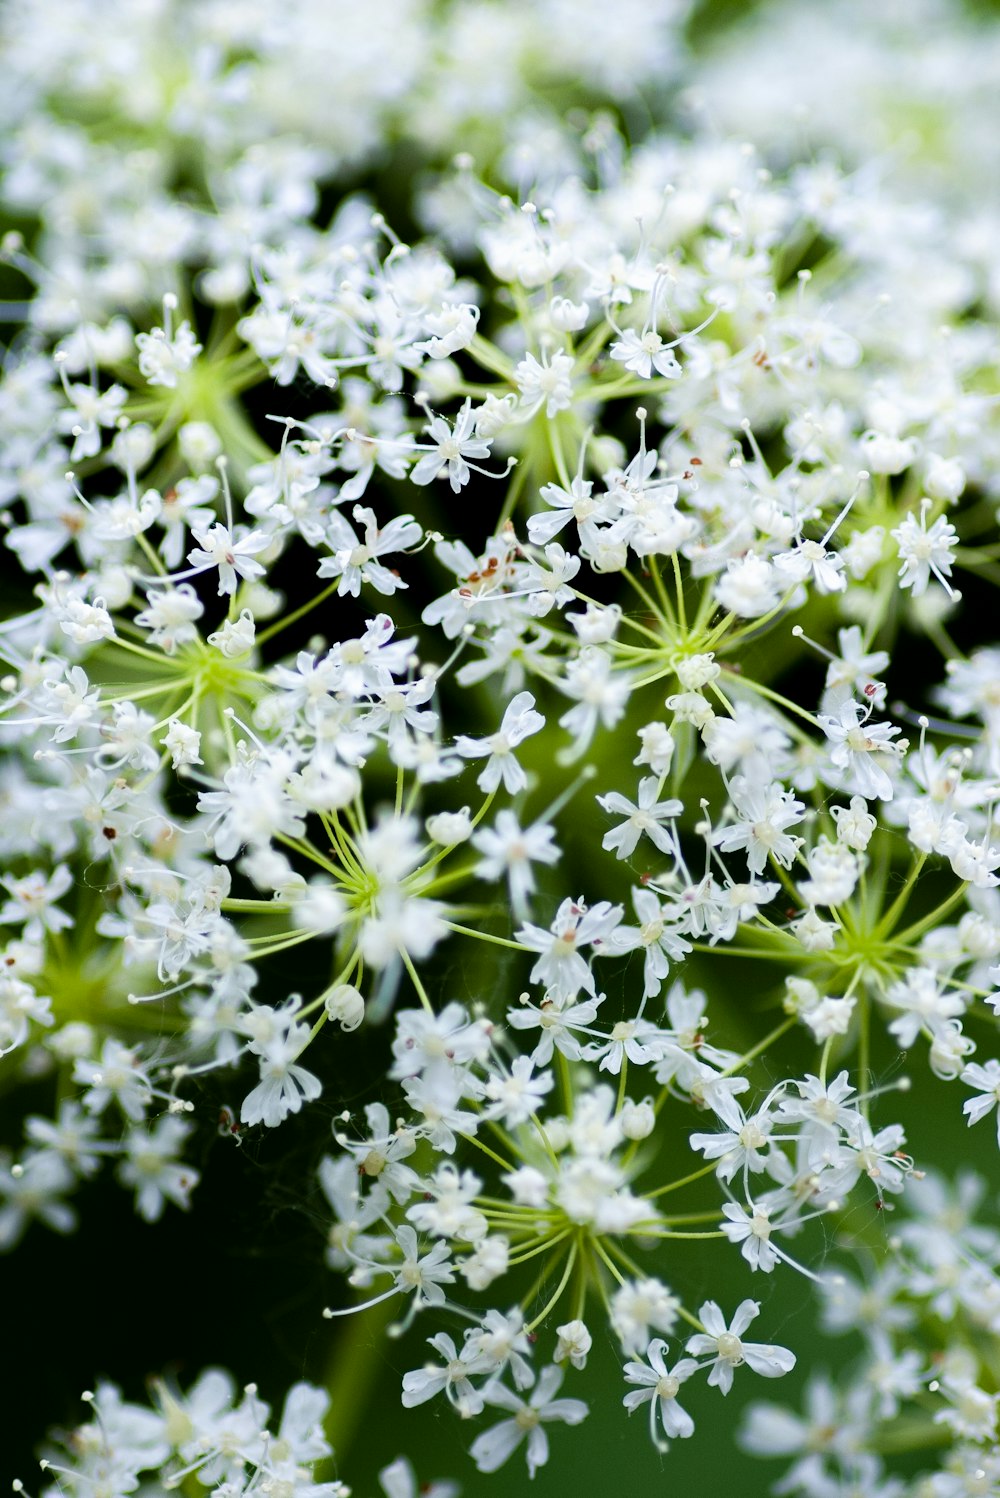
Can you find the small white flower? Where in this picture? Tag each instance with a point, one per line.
(644, 817)
(490, 1450)
(548, 382)
(924, 551)
(520, 721)
(219, 547)
(725, 1346)
(659, 1386)
(986, 1081)
(574, 1344)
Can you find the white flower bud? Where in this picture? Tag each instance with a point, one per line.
(164, 354)
(691, 707)
(557, 1133)
(834, 874)
(944, 478)
(949, 1049)
(749, 586)
(638, 1119)
(486, 1264)
(262, 601)
(657, 748)
(200, 445)
(321, 908)
(829, 1017)
(855, 824)
(815, 934)
(607, 453)
(236, 636)
(567, 316)
(696, 671)
(115, 586)
(574, 1344)
(71, 1041)
(494, 414)
(598, 624)
(133, 446)
(863, 551)
(800, 996)
(887, 454)
(932, 608)
(183, 744)
(86, 622)
(608, 556)
(346, 1005)
(225, 283)
(449, 827)
(528, 1186)
(979, 936)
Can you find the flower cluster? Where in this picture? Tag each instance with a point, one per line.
(215, 1434)
(942, 1275)
(517, 599)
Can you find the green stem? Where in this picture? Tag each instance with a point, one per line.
(355, 1362)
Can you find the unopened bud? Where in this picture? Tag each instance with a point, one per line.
(638, 1119)
(346, 1005)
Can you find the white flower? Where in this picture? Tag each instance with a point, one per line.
(520, 721)
(561, 965)
(638, 1305)
(574, 1344)
(490, 1450)
(749, 587)
(514, 1098)
(503, 1341)
(657, 748)
(826, 567)
(548, 382)
(32, 902)
(643, 353)
(971, 1411)
(743, 1148)
(32, 1190)
(284, 1085)
(355, 562)
(925, 1004)
(234, 637)
(169, 616)
(753, 1231)
(183, 744)
(452, 1379)
(117, 1075)
(20, 1007)
(855, 824)
(644, 817)
(860, 747)
(449, 1212)
(163, 356)
(219, 547)
(152, 1167)
(452, 327)
(451, 450)
(398, 1480)
(487, 1262)
(85, 623)
(725, 1346)
(660, 1386)
(986, 1081)
(764, 812)
(923, 551)
(509, 848)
